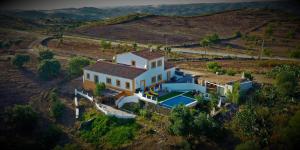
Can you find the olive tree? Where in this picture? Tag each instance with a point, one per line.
(49, 69)
(19, 60)
(76, 64)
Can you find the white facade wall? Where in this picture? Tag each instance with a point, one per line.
(147, 76)
(102, 79)
(183, 87)
(127, 58)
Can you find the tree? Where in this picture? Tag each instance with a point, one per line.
(291, 133)
(248, 145)
(99, 88)
(76, 64)
(21, 117)
(19, 60)
(135, 46)
(213, 66)
(200, 99)
(244, 121)
(45, 54)
(105, 44)
(57, 107)
(286, 83)
(248, 75)
(49, 68)
(213, 102)
(235, 94)
(181, 121)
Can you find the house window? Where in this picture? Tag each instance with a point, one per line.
(87, 75)
(118, 83)
(153, 79)
(96, 80)
(127, 85)
(159, 63)
(159, 77)
(108, 80)
(132, 63)
(153, 64)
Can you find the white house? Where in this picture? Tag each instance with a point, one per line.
(131, 71)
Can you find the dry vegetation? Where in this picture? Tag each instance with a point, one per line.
(178, 30)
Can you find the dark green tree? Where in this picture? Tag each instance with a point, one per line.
(21, 117)
(76, 64)
(248, 145)
(181, 119)
(19, 60)
(286, 83)
(49, 69)
(99, 88)
(45, 54)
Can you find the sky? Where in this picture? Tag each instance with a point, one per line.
(57, 4)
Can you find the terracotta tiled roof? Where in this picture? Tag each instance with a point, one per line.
(113, 69)
(147, 54)
(168, 65)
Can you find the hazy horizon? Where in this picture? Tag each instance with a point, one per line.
(59, 4)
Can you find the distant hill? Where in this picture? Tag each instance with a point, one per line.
(91, 13)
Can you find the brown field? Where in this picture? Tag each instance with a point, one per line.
(187, 30)
(180, 30)
(257, 67)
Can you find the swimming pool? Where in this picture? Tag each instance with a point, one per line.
(173, 102)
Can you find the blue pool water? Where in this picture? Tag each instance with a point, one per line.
(171, 103)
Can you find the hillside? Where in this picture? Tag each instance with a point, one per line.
(180, 30)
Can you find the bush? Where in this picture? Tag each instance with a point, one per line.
(76, 64)
(295, 54)
(295, 69)
(213, 66)
(57, 108)
(248, 75)
(46, 54)
(110, 130)
(49, 69)
(286, 83)
(105, 44)
(51, 136)
(249, 145)
(99, 88)
(119, 135)
(21, 117)
(230, 72)
(145, 113)
(19, 60)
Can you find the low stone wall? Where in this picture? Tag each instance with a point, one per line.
(183, 87)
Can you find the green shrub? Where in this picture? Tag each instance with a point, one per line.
(105, 44)
(295, 54)
(46, 54)
(48, 69)
(76, 64)
(230, 72)
(21, 117)
(213, 66)
(286, 83)
(145, 113)
(110, 130)
(249, 145)
(99, 88)
(19, 60)
(248, 75)
(57, 108)
(119, 135)
(51, 136)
